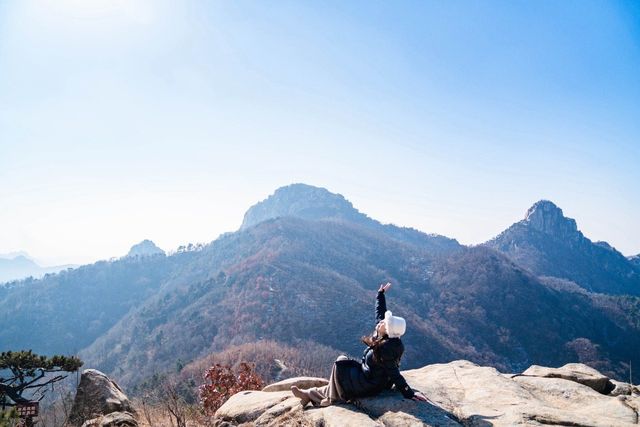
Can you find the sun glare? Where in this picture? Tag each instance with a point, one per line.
(92, 16)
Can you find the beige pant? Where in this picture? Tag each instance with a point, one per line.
(329, 394)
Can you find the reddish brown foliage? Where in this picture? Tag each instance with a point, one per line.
(221, 382)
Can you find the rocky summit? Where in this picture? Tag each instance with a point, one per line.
(459, 393)
(306, 202)
(545, 216)
(144, 248)
(549, 244)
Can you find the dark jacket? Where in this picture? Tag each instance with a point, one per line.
(372, 375)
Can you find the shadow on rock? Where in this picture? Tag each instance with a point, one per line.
(391, 408)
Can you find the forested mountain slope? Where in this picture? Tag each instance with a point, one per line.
(292, 280)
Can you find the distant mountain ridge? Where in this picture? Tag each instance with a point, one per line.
(65, 312)
(302, 271)
(21, 266)
(550, 244)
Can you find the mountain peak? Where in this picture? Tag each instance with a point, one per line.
(16, 255)
(144, 248)
(306, 190)
(550, 244)
(545, 216)
(302, 201)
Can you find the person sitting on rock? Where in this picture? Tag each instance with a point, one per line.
(378, 370)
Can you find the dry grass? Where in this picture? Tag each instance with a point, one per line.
(160, 416)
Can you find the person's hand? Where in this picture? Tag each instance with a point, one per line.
(384, 287)
(419, 397)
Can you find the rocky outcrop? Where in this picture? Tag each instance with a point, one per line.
(459, 393)
(620, 388)
(300, 382)
(576, 372)
(303, 201)
(145, 248)
(100, 402)
(548, 218)
(114, 419)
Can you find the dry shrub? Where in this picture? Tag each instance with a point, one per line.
(221, 382)
(274, 361)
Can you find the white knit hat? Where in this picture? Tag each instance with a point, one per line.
(395, 325)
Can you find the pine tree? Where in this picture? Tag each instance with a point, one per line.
(25, 371)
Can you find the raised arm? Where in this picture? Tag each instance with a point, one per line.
(381, 302)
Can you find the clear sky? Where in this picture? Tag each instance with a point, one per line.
(125, 120)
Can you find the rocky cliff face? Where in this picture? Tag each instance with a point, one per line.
(548, 218)
(460, 393)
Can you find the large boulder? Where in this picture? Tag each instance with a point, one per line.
(576, 372)
(476, 395)
(560, 401)
(99, 396)
(470, 393)
(460, 393)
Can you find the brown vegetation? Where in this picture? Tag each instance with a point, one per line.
(222, 382)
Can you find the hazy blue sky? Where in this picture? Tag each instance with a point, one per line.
(125, 120)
